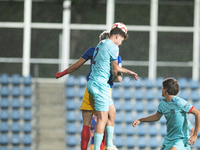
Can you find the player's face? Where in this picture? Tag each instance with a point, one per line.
(163, 92)
(119, 40)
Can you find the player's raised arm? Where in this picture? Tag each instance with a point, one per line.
(71, 68)
(129, 72)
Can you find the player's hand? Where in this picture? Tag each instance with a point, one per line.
(135, 123)
(58, 75)
(192, 140)
(134, 75)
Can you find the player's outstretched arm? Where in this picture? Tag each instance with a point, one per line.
(193, 138)
(71, 68)
(129, 72)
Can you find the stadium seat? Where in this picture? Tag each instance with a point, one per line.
(27, 92)
(162, 120)
(193, 84)
(15, 103)
(4, 140)
(15, 78)
(3, 148)
(116, 85)
(128, 106)
(149, 94)
(4, 115)
(126, 82)
(71, 128)
(4, 103)
(139, 106)
(139, 115)
(184, 94)
(159, 81)
(118, 141)
(15, 127)
(71, 81)
(159, 95)
(151, 106)
(118, 117)
(141, 129)
(71, 140)
(15, 115)
(127, 94)
(138, 94)
(163, 130)
(27, 140)
(138, 84)
(142, 142)
(118, 105)
(70, 92)
(15, 139)
(16, 91)
(71, 116)
(130, 142)
(118, 130)
(116, 94)
(27, 148)
(195, 95)
(152, 130)
(71, 104)
(182, 83)
(196, 105)
(129, 130)
(81, 92)
(128, 118)
(15, 148)
(82, 82)
(5, 91)
(148, 83)
(153, 142)
(4, 79)
(80, 119)
(27, 103)
(4, 127)
(197, 143)
(27, 80)
(27, 115)
(27, 127)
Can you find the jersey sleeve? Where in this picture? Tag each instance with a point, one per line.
(184, 105)
(114, 53)
(160, 108)
(88, 53)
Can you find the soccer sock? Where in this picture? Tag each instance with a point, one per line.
(103, 142)
(97, 140)
(109, 135)
(85, 137)
(60, 74)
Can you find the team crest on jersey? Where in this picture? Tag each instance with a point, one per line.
(172, 111)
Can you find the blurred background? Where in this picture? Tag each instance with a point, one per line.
(40, 37)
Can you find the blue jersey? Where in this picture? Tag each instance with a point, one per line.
(89, 54)
(105, 52)
(175, 113)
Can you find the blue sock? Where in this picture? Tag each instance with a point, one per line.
(97, 140)
(109, 135)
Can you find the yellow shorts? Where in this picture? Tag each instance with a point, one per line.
(88, 101)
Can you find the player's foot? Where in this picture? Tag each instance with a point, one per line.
(111, 148)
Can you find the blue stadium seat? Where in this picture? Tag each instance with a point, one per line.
(118, 117)
(5, 91)
(15, 127)
(130, 142)
(195, 95)
(82, 82)
(141, 129)
(15, 103)
(193, 84)
(4, 140)
(27, 115)
(163, 130)
(4, 78)
(4, 127)
(140, 115)
(128, 106)
(151, 106)
(118, 105)
(15, 148)
(148, 83)
(149, 95)
(71, 81)
(128, 118)
(71, 116)
(80, 119)
(183, 83)
(4, 115)
(16, 79)
(139, 106)
(15, 139)
(118, 141)
(127, 94)
(71, 104)
(71, 140)
(71, 128)
(116, 85)
(27, 148)
(159, 81)
(27, 140)
(27, 80)
(27, 127)
(162, 120)
(197, 143)
(142, 142)
(27, 103)
(152, 130)
(153, 142)
(138, 84)
(70, 92)
(81, 92)
(16, 91)
(126, 82)
(4, 103)
(129, 130)
(116, 93)
(184, 94)
(159, 95)
(196, 104)
(118, 130)
(15, 115)
(27, 92)
(138, 94)
(3, 148)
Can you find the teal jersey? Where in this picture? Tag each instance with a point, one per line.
(105, 52)
(175, 113)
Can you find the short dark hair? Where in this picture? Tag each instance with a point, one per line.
(115, 31)
(171, 85)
